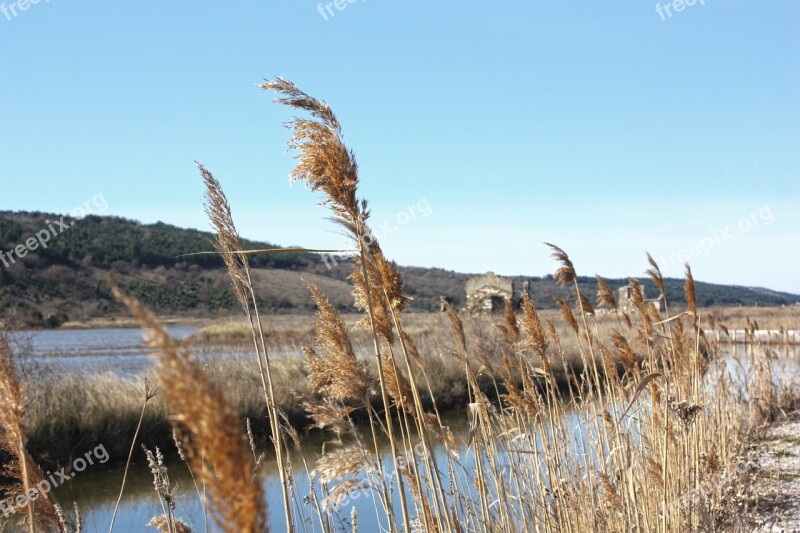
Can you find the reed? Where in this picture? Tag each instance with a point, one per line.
(149, 394)
(640, 468)
(30, 492)
(215, 444)
(229, 247)
(593, 418)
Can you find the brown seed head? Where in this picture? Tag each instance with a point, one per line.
(337, 372)
(566, 312)
(655, 273)
(535, 337)
(227, 243)
(605, 296)
(585, 305)
(688, 289)
(324, 162)
(213, 438)
(566, 272)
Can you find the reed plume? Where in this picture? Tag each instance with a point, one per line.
(326, 165)
(227, 243)
(509, 327)
(208, 428)
(330, 415)
(565, 274)
(637, 299)
(623, 352)
(457, 329)
(164, 488)
(567, 315)
(397, 386)
(689, 291)
(605, 296)
(336, 372)
(658, 278)
(585, 305)
(370, 280)
(535, 336)
(43, 511)
(229, 247)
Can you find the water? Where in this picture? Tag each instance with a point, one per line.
(95, 489)
(121, 352)
(90, 351)
(93, 342)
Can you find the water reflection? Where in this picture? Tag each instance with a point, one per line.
(95, 490)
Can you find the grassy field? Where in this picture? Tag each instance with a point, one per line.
(773, 318)
(72, 413)
(663, 425)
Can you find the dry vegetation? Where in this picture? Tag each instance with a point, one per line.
(771, 318)
(662, 423)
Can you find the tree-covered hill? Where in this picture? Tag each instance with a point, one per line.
(101, 241)
(64, 274)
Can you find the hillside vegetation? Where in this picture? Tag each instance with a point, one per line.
(67, 279)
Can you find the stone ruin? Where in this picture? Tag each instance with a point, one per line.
(625, 302)
(488, 293)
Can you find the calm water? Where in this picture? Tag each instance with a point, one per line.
(96, 492)
(122, 351)
(88, 351)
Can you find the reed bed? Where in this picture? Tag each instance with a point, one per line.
(74, 411)
(663, 424)
(773, 318)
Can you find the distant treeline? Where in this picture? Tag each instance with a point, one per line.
(100, 241)
(67, 278)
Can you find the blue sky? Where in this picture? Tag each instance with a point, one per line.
(594, 125)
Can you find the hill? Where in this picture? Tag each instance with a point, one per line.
(46, 280)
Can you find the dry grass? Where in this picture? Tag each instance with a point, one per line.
(109, 405)
(75, 413)
(29, 491)
(633, 469)
(773, 318)
(578, 420)
(208, 428)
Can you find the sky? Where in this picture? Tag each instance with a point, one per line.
(481, 129)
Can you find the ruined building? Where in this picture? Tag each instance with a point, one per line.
(488, 293)
(625, 303)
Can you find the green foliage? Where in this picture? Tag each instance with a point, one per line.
(101, 241)
(69, 277)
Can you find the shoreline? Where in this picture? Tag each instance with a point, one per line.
(738, 319)
(776, 492)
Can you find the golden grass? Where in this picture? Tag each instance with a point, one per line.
(578, 420)
(229, 247)
(110, 404)
(206, 424)
(30, 492)
(772, 318)
(636, 466)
